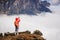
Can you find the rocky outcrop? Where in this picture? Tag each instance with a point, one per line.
(36, 35)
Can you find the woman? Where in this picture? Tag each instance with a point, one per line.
(16, 23)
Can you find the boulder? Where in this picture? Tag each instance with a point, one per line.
(9, 34)
(28, 32)
(1, 35)
(37, 32)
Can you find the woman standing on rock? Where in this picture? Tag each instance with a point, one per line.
(16, 23)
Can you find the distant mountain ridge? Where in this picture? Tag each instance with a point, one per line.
(30, 7)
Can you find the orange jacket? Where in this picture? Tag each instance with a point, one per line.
(16, 22)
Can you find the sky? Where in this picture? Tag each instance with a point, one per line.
(53, 2)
